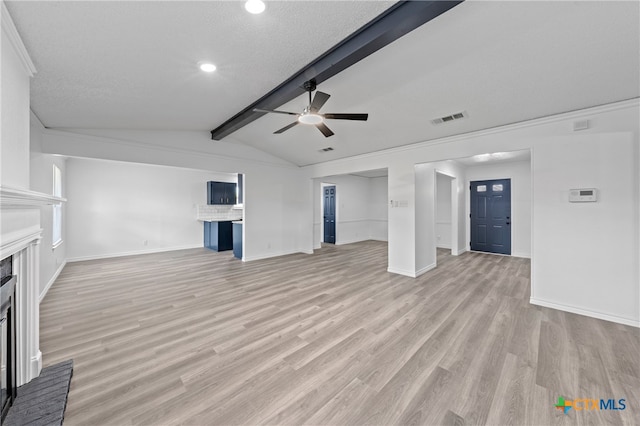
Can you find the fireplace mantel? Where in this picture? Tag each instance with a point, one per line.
(20, 198)
(20, 235)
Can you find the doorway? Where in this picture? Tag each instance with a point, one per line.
(329, 214)
(491, 216)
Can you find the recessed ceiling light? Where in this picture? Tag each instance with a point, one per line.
(254, 6)
(207, 67)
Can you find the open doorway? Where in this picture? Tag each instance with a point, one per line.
(446, 213)
(442, 184)
(361, 208)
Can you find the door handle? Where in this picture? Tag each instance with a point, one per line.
(508, 223)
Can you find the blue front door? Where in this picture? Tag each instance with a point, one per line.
(491, 216)
(329, 214)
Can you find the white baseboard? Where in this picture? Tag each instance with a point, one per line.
(344, 242)
(51, 281)
(585, 312)
(442, 246)
(460, 251)
(411, 274)
(523, 255)
(268, 255)
(425, 269)
(132, 253)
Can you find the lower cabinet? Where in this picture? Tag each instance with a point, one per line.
(218, 236)
(237, 240)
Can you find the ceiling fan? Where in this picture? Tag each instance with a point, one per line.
(310, 114)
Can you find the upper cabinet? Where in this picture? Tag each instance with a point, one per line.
(221, 193)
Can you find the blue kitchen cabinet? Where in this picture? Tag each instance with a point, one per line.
(218, 236)
(237, 239)
(221, 193)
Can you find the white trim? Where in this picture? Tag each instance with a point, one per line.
(442, 246)
(51, 281)
(353, 221)
(14, 242)
(522, 255)
(131, 253)
(425, 269)
(393, 270)
(585, 312)
(462, 250)
(15, 197)
(36, 120)
(351, 241)
(269, 255)
(616, 106)
(155, 148)
(10, 30)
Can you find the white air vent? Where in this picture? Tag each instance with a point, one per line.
(452, 117)
(327, 149)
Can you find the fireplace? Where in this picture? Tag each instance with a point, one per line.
(20, 235)
(7, 336)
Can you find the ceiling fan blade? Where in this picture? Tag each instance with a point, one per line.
(324, 129)
(360, 117)
(275, 111)
(285, 128)
(318, 100)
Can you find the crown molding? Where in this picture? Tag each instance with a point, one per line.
(11, 32)
(616, 106)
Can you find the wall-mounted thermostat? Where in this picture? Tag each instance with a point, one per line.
(583, 195)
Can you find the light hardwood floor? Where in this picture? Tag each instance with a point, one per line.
(197, 337)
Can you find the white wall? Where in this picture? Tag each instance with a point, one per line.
(606, 123)
(361, 208)
(378, 208)
(443, 211)
(426, 220)
(117, 208)
(425, 239)
(52, 260)
(15, 70)
(520, 174)
(278, 205)
(585, 254)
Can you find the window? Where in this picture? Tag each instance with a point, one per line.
(57, 208)
(481, 188)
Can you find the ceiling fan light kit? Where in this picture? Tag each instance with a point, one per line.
(310, 114)
(310, 118)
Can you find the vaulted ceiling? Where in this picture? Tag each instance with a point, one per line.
(133, 65)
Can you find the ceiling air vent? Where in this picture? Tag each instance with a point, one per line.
(452, 117)
(327, 149)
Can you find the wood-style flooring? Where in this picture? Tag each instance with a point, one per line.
(198, 337)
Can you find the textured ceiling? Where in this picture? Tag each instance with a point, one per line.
(131, 65)
(501, 62)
